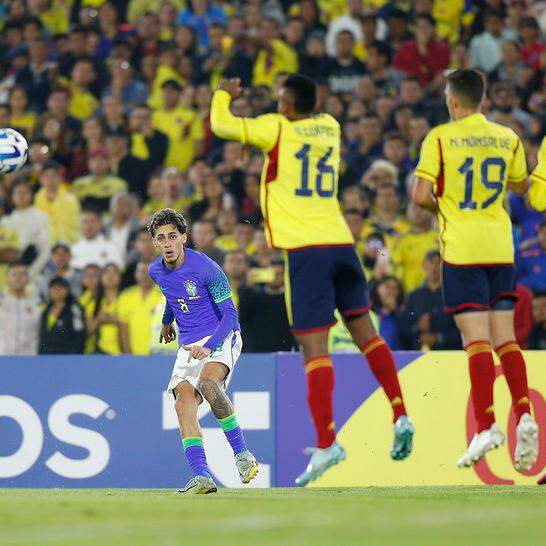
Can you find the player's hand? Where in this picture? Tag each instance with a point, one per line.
(168, 334)
(232, 86)
(197, 352)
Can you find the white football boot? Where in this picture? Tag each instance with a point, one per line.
(484, 441)
(526, 452)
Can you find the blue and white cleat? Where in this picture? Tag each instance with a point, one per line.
(403, 438)
(321, 461)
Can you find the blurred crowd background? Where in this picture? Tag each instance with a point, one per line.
(113, 97)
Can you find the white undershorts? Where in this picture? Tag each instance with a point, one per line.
(228, 353)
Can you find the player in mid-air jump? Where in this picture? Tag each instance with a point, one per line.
(302, 216)
(198, 296)
(464, 170)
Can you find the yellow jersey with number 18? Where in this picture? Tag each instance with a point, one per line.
(299, 181)
(470, 163)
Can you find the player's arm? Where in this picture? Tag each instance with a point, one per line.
(219, 291)
(517, 171)
(168, 333)
(427, 173)
(537, 189)
(261, 132)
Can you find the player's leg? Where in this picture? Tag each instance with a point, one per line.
(467, 296)
(211, 386)
(353, 303)
(310, 302)
(501, 323)
(474, 328)
(186, 404)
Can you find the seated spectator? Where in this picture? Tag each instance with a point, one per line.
(61, 207)
(362, 152)
(250, 206)
(509, 69)
(235, 267)
(93, 134)
(136, 306)
(143, 251)
(106, 322)
(344, 71)
(378, 66)
(424, 57)
(424, 323)
(59, 266)
(264, 254)
(83, 102)
(418, 130)
(274, 54)
(313, 60)
(504, 107)
(354, 198)
(537, 339)
(21, 118)
(355, 221)
(19, 314)
(31, 226)
(154, 193)
(262, 314)
(240, 238)
(93, 247)
(99, 186)
(531, 264)
(485, 48)
(58, 105)
(410, 249)
(182, 125)
(386, 218)
(212, 203)
(350, 21)
(387, 298)
(62, 327)
(395, 150)
(147, 143)
(531, 45)
(123, 225)
(133, 170)
(10, 250)
(200, 16)
(113, 115)
(203, 234)
(90, 284)
(124, 85)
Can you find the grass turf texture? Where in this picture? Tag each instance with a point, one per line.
(411, 516)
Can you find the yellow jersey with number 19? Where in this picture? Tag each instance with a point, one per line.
(470, 163)
(299, 183)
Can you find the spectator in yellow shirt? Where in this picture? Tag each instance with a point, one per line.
(9, 252)
(183, 126)
(61, 207)
(82, 102)
(136, 309)
(274, 55)
(411, 248)
(21, 118)
(96, 188)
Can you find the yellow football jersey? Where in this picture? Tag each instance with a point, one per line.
(537, 191)
(298, 191)
(470, 162)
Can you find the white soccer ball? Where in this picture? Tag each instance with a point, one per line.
(13, 150)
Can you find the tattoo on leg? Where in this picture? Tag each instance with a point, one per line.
(217, 398)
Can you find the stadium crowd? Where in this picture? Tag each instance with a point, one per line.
(113, 97)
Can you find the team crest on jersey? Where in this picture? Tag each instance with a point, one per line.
(191, 289)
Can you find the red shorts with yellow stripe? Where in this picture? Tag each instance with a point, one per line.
(318, 281)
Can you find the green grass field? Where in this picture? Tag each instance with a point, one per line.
(477, 516)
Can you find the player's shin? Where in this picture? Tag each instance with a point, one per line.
(482, 378)
(233, 433)
(513, 367)
(195, 454)
(320, 386)
(381, 361)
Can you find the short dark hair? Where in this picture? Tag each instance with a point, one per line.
(383, 50)
(426, 17)
(468, 85)
(171, 84)
(394, 135)
(164, 218)
(304, 91)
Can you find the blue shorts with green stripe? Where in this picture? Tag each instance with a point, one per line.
(321, 279)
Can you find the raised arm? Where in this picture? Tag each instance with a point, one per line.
(261, 132)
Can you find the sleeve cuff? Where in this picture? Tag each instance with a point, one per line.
(426, 176)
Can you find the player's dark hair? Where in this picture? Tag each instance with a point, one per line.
(304, 91)
(468, 86)
(164, 218)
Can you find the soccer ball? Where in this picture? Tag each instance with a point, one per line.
(13, 150)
